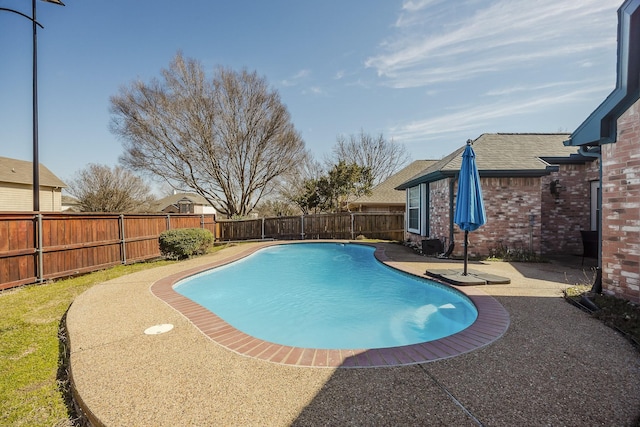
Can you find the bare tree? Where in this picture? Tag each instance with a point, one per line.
(100, 188)
(382, 157)
(228, 138)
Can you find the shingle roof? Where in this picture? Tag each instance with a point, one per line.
(385, 192)
(21, 172)
(175, 198)
(505, 153)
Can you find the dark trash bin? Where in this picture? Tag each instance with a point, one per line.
(432, 247)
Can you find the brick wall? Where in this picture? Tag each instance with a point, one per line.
(522, 213)
(566, 213)
(439, 210)
(621, 209)
(509, 203)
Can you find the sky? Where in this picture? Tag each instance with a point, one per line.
(428, 74)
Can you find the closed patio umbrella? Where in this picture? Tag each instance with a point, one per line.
(469, 214)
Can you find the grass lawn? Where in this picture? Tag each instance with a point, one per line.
(33, 385)
(32, 393)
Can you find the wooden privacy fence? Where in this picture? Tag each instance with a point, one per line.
(38, 246)
(388, 226)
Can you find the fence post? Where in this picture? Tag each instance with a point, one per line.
(40, 260)
(202, 221)
(262, 230)
(123, 242)
(352, 225)
(168, 221)
(302, 226)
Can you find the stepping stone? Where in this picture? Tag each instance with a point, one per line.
(493, 279)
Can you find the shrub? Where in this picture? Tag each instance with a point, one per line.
(185, 242)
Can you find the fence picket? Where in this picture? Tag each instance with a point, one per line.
(38, 247)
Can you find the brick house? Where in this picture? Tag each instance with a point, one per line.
(611, 134)
(534, 191)
(384, 197)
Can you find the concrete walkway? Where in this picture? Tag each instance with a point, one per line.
(555, 365)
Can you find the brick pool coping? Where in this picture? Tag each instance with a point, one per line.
(492, 322)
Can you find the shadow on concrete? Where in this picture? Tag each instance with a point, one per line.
(565, 268)
(555, 366)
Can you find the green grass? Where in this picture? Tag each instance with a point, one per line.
(32, 393)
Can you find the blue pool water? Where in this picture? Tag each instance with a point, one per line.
(330, 296)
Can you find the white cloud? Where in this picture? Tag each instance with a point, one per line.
(480, 37)
(474, 120)
(415, 5)
(537, 87)
(316, 90)
(296, 78)
(302, 74)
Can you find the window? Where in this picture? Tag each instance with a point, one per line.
(413, 209)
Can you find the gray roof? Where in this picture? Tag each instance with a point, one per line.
(506, 154)
(173, 199)
(21, 172)
(385, 192)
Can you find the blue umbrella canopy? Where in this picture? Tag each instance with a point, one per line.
(469, 214)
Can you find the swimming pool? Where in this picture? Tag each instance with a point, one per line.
(329, 296)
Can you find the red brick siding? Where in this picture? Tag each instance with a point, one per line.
(565, 214)
(439, 210)
(508, 203)
(621, 209)
(522, 214)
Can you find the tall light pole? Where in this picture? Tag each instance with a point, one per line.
(36, 161)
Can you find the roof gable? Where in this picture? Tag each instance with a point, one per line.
(21, 172)
(386, 193)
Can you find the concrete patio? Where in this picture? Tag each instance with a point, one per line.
(555, 365)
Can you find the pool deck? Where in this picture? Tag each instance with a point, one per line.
(543, 361)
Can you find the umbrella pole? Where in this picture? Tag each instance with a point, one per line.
(466, 245)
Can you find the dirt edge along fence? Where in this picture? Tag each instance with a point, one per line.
(35, 247)
(387, 226)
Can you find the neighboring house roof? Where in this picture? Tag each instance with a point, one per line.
(173, 199)
(505, 154)
(70, 204)
(601, 127)
(21, 172)
(69, 200)
(385, 193)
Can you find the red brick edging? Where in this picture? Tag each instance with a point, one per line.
(492, 322)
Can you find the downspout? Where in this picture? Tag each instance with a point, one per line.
(451, 183)
(596, 153)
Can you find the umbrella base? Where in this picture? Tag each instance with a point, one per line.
(473, 277)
